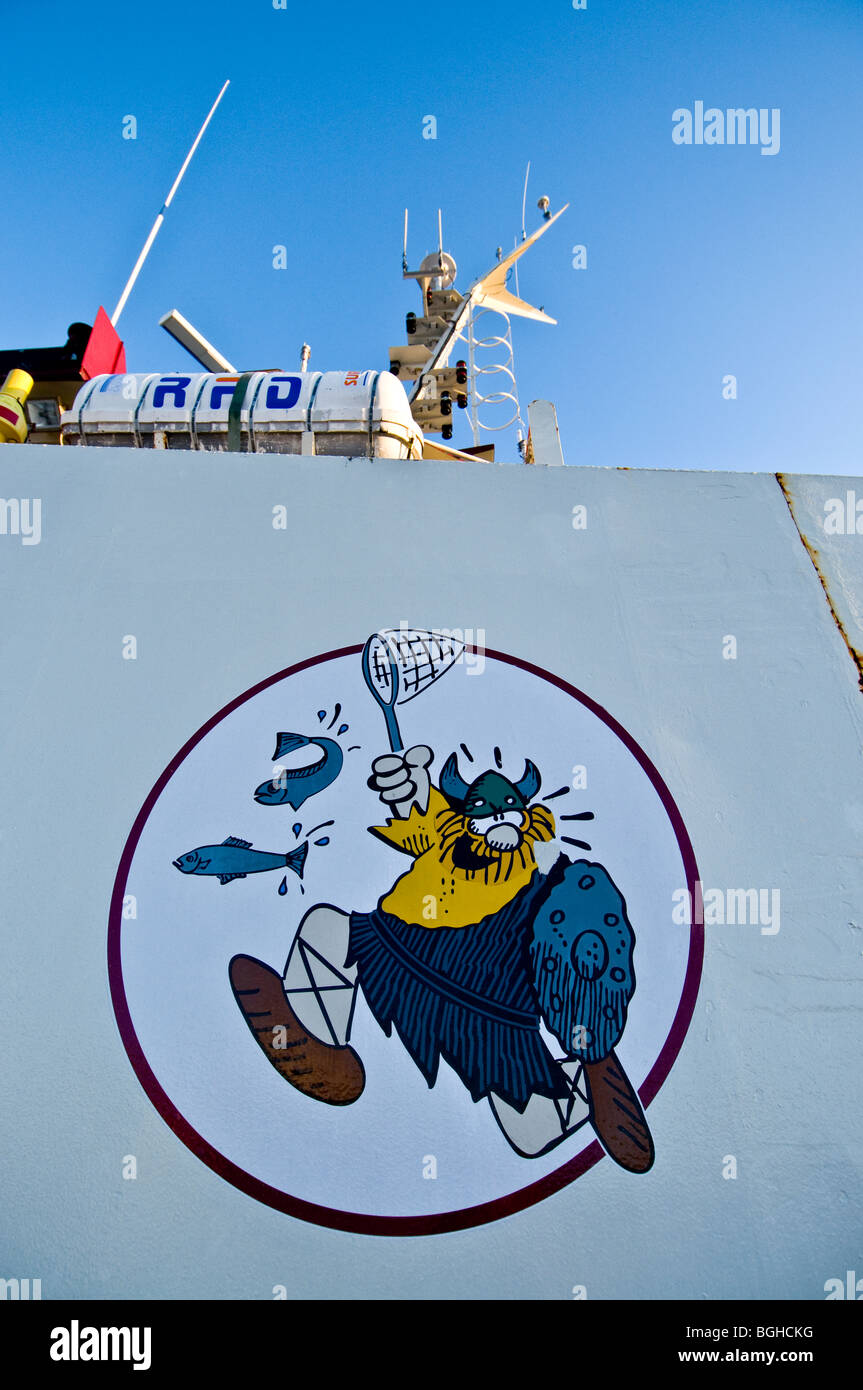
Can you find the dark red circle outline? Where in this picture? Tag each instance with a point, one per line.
(356, 1222)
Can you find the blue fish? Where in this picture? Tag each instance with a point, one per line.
(235, 858)
(294, 785)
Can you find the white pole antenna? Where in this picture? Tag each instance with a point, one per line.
(154, 230)
(440, 237)
(523, 214)
(405, 250)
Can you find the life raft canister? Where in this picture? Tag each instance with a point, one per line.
(336, 413)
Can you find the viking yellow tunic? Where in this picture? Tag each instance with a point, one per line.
(434, 892)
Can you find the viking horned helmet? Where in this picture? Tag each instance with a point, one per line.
(490, 793)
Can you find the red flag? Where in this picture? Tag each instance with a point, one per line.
(104, 351)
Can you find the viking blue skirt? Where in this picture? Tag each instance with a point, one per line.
(465, 994)
(561, 950)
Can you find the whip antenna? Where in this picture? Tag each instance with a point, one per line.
(154, 230)
(523, 211)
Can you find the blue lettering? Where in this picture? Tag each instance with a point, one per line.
(171, 386)
(276, 402)
(219, 391)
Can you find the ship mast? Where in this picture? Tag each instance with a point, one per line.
(447, 319)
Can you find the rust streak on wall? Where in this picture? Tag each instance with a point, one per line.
(856, 656)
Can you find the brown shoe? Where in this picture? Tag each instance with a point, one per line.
(617, 1116)
(331, 1074)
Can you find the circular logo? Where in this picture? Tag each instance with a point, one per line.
(393, 944)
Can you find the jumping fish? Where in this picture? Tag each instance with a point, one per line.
(294, 785)
(235, 858)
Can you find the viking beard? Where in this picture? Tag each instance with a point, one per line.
(484, 853)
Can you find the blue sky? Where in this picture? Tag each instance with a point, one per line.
(702, 261)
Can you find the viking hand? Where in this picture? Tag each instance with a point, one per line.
(401, 780)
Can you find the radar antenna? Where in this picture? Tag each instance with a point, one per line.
(447, 318)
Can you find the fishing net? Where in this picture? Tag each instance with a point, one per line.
(420, 657)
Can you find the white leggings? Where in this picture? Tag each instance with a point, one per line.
(322, 992)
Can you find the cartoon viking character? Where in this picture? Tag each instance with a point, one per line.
(468, 954)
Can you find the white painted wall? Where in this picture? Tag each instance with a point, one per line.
(762, 755)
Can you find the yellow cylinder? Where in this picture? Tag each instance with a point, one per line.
(13, 420)
(18, 384)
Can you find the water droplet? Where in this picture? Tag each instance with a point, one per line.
(324, 841)
(283, 887)
(322, 714)
(297, 828)
(343, 728)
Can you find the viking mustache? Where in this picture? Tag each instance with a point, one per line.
(537, 824)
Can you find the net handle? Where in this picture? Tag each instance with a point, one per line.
(387, 705)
